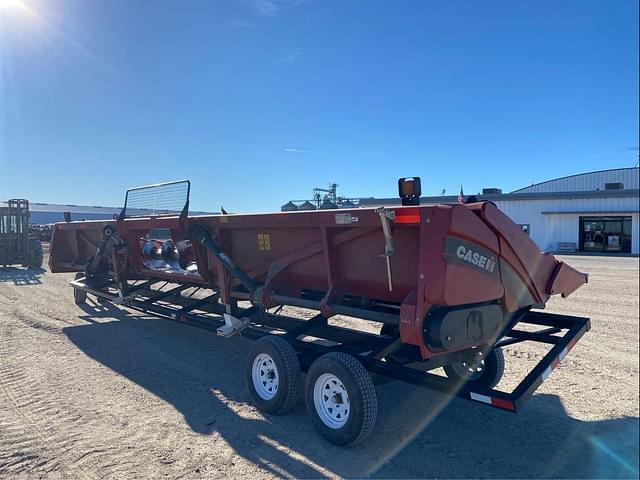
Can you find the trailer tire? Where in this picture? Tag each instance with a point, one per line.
(490, 375)
(79, 296)
(349, 414)
(273, 375)
(36, 254)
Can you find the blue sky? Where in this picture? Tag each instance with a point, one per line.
(259, 101)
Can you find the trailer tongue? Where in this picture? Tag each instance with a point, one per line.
(450, 285)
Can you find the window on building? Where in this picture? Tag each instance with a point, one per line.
(614, 186)
(605, 234)
(525, 228)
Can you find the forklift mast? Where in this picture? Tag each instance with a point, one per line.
(15, 245)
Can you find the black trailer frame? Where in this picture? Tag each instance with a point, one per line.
(319, 337)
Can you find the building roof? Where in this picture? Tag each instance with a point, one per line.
(629, 177)
(583, 185)
(53, 212)
(506, 197)
(56, 207)
(600, 213)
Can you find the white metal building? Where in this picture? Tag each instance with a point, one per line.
(589, 212)
(47, 213)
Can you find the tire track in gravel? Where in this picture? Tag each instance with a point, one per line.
(27, 442)
(70, 432)
(106, 394)
(42, 421)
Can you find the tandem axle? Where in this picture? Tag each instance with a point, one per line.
(309, 340)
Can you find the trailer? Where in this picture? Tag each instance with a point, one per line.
(447, 285)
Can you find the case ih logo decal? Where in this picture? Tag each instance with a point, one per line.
(459, 251)
(468, 255)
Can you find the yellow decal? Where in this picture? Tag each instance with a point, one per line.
(264, 242)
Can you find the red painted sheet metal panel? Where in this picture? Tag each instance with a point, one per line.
(566, 280)
(73, 243)
(449, 260)
(450, 279)
(465, 224)
(523, 256)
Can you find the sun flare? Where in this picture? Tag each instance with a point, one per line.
(7, 5)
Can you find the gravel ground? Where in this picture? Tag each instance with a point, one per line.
(104, 392)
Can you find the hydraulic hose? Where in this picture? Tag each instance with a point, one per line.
(201, 235)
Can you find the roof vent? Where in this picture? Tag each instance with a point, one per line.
(492, 191)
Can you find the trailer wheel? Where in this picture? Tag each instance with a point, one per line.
(273, 375)
(341, 399)
(484, 371)
(79, 296)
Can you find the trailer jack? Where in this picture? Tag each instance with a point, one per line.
(232, 325)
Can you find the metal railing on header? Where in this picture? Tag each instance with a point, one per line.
(170, 198)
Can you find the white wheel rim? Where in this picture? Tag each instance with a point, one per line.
(264, 374)
(331, 401)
